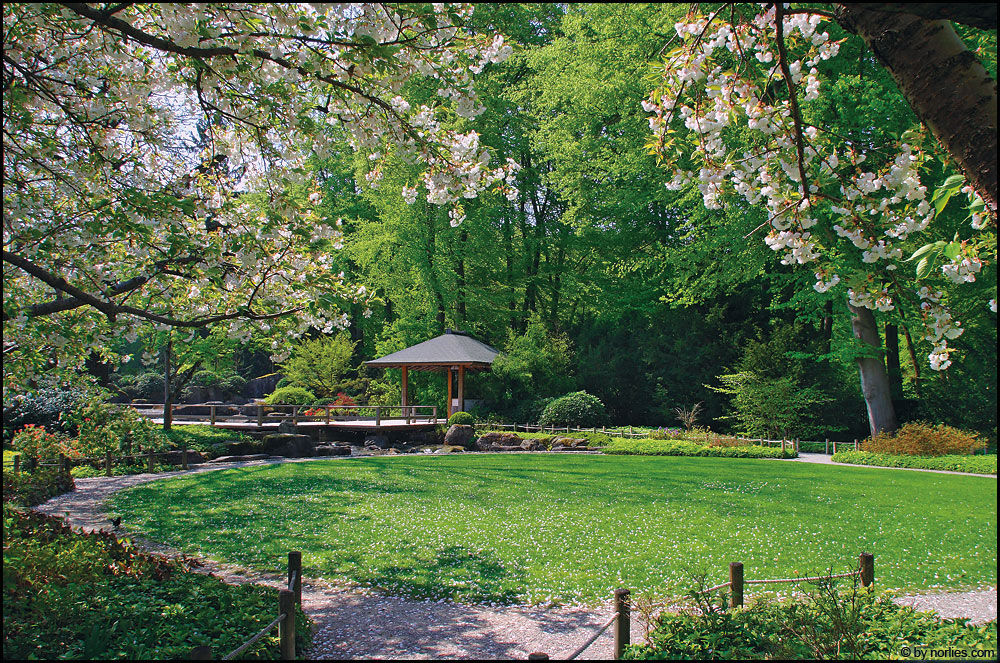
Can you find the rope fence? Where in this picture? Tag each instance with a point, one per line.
(288, 598)
(622, 617)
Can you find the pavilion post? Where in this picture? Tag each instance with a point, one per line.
(461, 388)
(448, 373)
(404, 396)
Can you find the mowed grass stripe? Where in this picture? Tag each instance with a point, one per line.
(546, 528)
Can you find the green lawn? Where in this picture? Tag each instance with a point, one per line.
(539, 528)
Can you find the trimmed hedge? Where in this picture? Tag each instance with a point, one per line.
(593, 439)
(68, 595)
(971, 464)
(577, 409)
(621, 446)
(461, 419)
(825, 625)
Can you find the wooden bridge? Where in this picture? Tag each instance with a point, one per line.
(267, 418)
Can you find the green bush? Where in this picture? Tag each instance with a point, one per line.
(147, 386)
(461, 419)
(824, 624)
(291, 396)
(103, 427)
(69, 595)
(205, 439)
(42, 408)
(646, 447)
(577, 409)
(972, 464)
(31, 488)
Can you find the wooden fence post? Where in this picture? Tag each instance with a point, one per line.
(211, 410)
(260, 416)
(327, 415)
(827, 449)
(107, 463)
(286, 627)
(623, 623)
(149, 460)
(17, 464)
(295, 569)
(782, 445)
(834, 447)
(184, 459)
(866, 561)
(378, 416)
(736, 584)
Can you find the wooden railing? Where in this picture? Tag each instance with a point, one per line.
(214, 414)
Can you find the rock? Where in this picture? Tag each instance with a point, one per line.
(570, 441)
(288, 444)
(175, 457)
(377, 441)
(287, 426)
(460, 436)
(491, 441)
(450, 449)
(235, 459)
(333, 450)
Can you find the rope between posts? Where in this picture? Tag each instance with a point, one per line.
(594, 637)
(812, 579)
(242, 648)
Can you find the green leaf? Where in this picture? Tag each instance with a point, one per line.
(923, 268)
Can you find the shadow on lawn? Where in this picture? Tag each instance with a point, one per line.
(454, 573)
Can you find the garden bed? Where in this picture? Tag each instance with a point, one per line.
(953, 463)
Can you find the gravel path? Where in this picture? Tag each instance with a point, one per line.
(354, 624)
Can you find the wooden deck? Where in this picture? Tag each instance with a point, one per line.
(271, 426)
(268, 418)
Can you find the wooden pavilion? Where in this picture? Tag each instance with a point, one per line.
(454, 353)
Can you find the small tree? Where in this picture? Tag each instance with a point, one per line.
(772, 407)
(320, 365)
(687, 416)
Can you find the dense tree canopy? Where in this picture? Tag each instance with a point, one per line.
(584, 267)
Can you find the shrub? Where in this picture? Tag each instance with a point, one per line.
(104, 427)
(963, 463)
(31, 488)
(461, 419)
(291, 396)
(35, 442)
(919, 438)
(822, 625)
(148, 386)
(772, 407)
(42, 408)
(577, 409)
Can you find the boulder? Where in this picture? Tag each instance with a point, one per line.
(377, 441)
(450, 449)
(287, 427)
(288, 444)
(175, 457)
(493, 441)
(460, 436)
(570, 441)
(333, 450)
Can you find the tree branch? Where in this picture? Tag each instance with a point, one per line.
(793, 98)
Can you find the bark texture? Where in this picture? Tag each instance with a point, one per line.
(943, 82)
(875, 385)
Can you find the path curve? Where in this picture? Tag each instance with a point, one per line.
(349, 623)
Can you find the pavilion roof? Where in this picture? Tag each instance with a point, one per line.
(452, 348)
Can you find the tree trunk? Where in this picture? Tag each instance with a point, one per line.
(874, 378)
(168, 393)
(944, 83)
(892, 364)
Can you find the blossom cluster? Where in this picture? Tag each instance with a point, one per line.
(801, 174)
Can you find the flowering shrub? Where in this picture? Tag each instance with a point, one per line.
(104, 427)
(31, 488)
(36, 442)
(919, 438)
